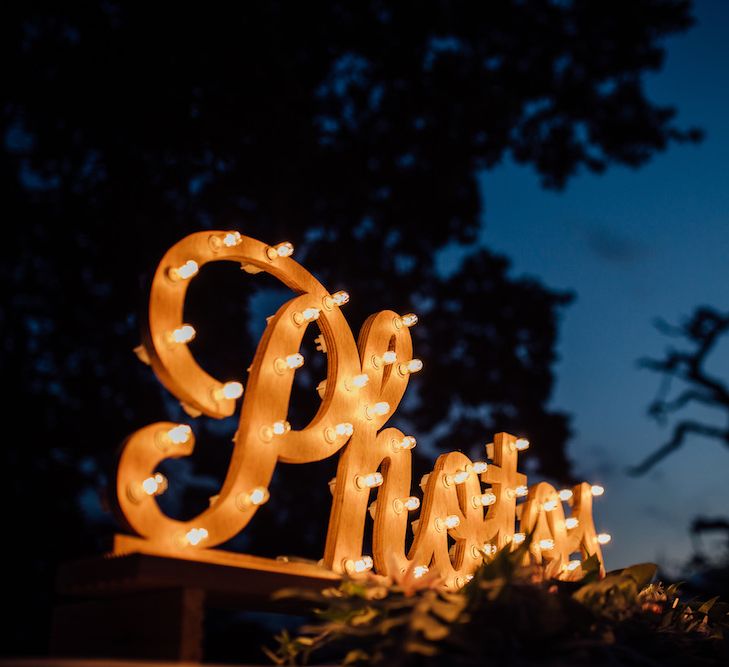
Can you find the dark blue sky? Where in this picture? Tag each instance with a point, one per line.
(635, 245)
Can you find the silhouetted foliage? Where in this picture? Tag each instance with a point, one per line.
(699, 385)
(355, 131)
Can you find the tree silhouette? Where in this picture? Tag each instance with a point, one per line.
(698, 385)
(356, 131)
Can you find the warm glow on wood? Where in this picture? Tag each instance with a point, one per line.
(468, 510)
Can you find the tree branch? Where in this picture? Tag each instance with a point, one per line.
(680, 432)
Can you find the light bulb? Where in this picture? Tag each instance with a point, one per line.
(412, 366)
(227, 239)
(232, 239)
(519, 538)
(369, 481)
(521, 444)
(187, 270)
(408, 442)
(281, 427)
(230, 390)
(521, 491)
(597, 490)
(345, 428)
(183, 334)
(546, 544)
(550, 505)
(178, 435)
(377, 410)
(357, 382)
(420, 571)
(409, 320)
(565, 494)
(356, 566)
(480, 467)
(572, 522)
(341, 297)
(484, 500)
(284, 249)
(604, 538)
(306, 315)
(196, 535)
(572, 565)
(410, 504)
(451, 521)
(389, 357)
(155, 485)
(290, 362)
(489, 549)
(255, 497)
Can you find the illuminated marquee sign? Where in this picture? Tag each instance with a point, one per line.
(475, 503)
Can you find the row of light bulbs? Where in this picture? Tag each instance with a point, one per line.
(157, 484)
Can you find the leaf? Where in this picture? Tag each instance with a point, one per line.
(643, 573)
(706, 607)
(356, 655)
(431, 629)
(421, 648)
(590, 569)
(364, 617)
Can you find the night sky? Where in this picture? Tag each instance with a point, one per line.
(635, 245)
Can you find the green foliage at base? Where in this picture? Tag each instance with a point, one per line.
(512, 615)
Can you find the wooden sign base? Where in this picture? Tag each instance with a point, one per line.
(144, 606)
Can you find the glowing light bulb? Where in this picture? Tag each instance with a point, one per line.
(178, 435)
(306, 315)
(253, 498)
(408, 442)
(420, 571)
(519, 538)
(546, 544)
(565, 494)
(377, 410)
(597, 490)
(357, 566)
(410, 504)
(345, 428)
(284, 249)
(196, 535)
(155, 485)
(451, 521)
(480, 467)
(281, 427)
(357, 382)
(572, 565)
(230, 390)
(550, 505)
(409, 320)
(571, 522)
(291, 362)
(368, 481)
(389, 357)
(232, 239)
(489, 549)
(604, 538)
(187, 270)
(412, 366)
(521, 491)
(341, 297)
(484, 500)
(521, 444)
(183, 334)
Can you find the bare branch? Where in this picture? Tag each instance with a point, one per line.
(680, 432)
